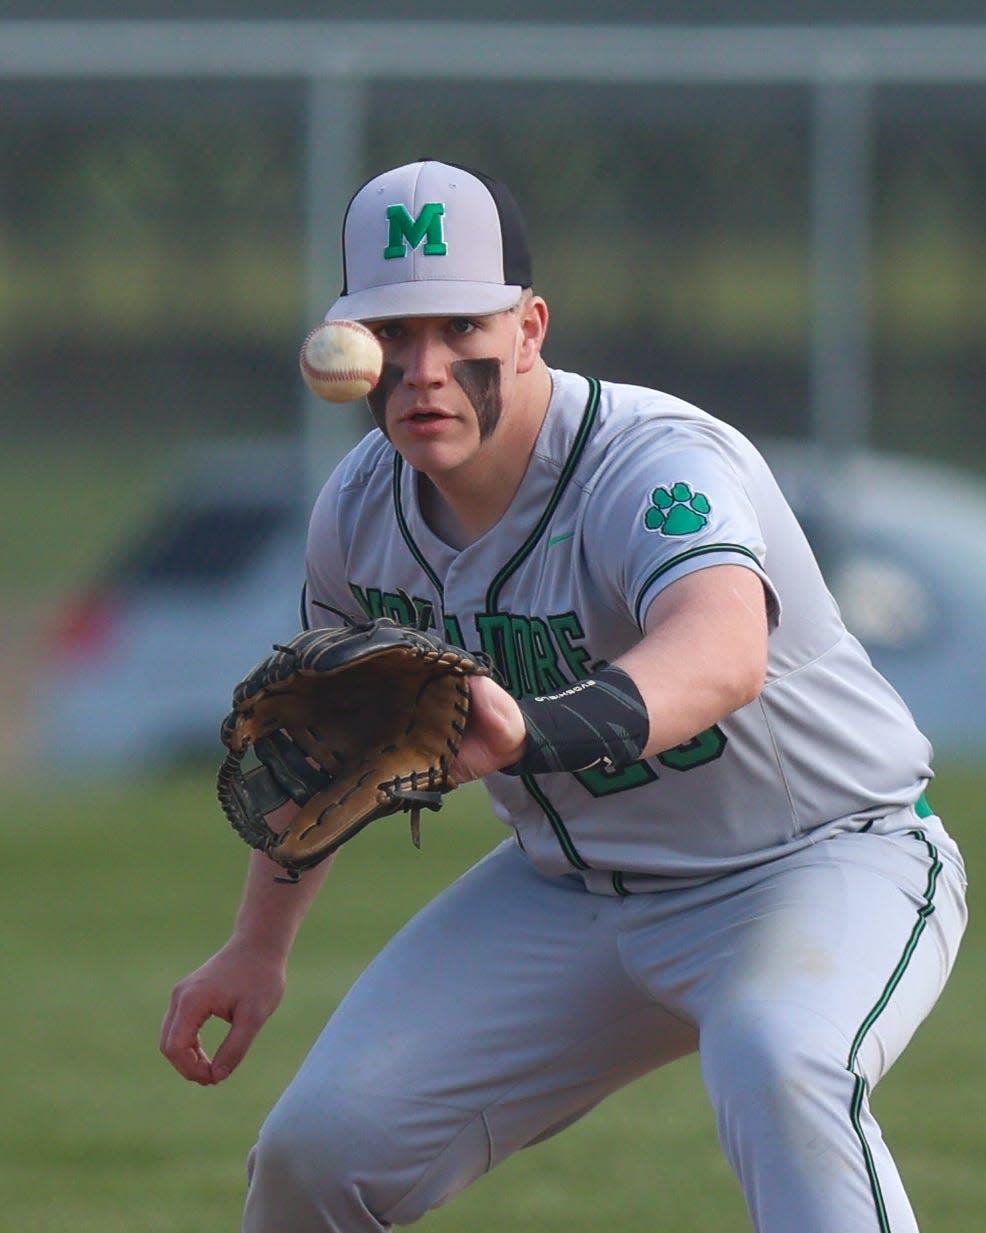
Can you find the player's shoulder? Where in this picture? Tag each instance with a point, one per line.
(639, 422)
(628, 408)
(620, 406)
(372, 458)
(364, 473)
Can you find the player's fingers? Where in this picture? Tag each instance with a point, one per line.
(244, 992)
(180, 1041)
(241, 1035)
(495, 733)
(191, 1061)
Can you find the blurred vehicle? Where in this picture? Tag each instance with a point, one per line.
(902, 544)
(148, 657)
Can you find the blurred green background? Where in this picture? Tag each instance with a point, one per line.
(154, 288)
(153, 248)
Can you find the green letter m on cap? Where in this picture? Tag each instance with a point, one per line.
(427, 226)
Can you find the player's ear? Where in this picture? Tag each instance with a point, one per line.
(532, 327)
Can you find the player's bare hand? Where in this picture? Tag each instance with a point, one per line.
(241, 988)
(495, 732)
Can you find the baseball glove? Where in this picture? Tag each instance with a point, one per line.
(351, 723)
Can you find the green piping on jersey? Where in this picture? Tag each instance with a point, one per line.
(859, 1091)
(702, 551)
(304, 605)
(573, 460)
(405, 530)
(524, 551)
(582, 436)
(557, 825)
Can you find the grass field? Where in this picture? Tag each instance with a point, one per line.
(112, 893)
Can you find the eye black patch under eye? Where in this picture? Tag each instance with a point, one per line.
(391, 377)
(480, 380)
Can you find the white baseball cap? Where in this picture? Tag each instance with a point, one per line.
(432, 239)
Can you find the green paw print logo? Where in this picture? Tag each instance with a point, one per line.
(677, 510)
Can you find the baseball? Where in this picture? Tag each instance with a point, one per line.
(341, 361)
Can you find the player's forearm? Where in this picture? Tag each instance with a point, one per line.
(704, 656)
(271, 912)
(682, 704)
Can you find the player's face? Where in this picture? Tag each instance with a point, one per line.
(447, 384)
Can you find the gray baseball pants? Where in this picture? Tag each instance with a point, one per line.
(514, 1003)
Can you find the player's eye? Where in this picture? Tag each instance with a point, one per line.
(462, 325)
(389, 331)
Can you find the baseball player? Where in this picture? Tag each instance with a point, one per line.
(721, 837)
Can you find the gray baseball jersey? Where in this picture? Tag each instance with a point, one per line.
(627, 491)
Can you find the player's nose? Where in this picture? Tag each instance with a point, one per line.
(427, 361)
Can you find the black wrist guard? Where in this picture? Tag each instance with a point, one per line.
(602, 720)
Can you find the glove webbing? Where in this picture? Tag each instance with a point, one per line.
(286, 775)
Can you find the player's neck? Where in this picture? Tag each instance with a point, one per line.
(461, 508)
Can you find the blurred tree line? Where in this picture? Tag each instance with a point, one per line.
(152, 248)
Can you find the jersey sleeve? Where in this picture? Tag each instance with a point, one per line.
(325, 593)
(662, 509)
(350, 499)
